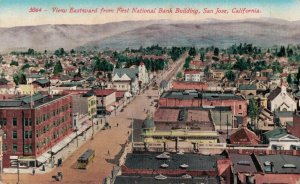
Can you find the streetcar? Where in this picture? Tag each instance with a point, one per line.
(85, 159)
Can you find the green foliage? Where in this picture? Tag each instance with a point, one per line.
(42, 71)
(253, 109)
(49, 64)
(298, 75)
(202, 56)
(57, 68)
(30, 51)
(289, 79)
(187, 62)
(242, 64)
(14, 63)
(260, 65)
(101, 65)
(60, 52)
(176, 52)
(19, 78)
(179, 75)
(216, 51)
(276, 67)
(192, 52)
(72, 51)
(230, 75)
(25, 66)
(282, 52)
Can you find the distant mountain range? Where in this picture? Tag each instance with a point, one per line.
(119, 35)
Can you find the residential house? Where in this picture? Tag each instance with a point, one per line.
(218, 74)
(280, 100)
(193, 75)
(247, 89)
(125, 79)
(106, 100)
(280, 139)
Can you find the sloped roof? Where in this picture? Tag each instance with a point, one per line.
(244, 136)
(276, 133)
(274, 93)
(130, 72)
(247, 87)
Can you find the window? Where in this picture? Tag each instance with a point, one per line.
(25, 121)
(14, 122)
(15, 135)
(30, 134)
(26, 134)
(15, 148)
(26, 148)
(4, 147)
(240, 106)
(2, 121)
(30, 148)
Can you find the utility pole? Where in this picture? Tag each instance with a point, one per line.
(132, 128)
(92, 128)
(227, 130)
(77, 136)
(18, 166)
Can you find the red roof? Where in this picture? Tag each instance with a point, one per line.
(196, 63)
(189, 85)
(278, 178)
(120, 94)
(75, 92)
(103, 92)
(192, 72)
(244, 136)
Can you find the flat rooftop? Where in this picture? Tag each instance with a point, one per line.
(192, 94)
(25, 102)
(195, 162)
(168, 180)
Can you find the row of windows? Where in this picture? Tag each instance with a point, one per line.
(55, 135)
(48, 127)
(27, 121)
(27, 134)
(51, 114)
(27, 148)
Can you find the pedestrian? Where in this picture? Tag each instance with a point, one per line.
(128, 132)
(33, 171)
(108, 152)
(117, 124)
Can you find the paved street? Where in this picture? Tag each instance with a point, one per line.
(106, 140)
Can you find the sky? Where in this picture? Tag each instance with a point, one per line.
(16, 12)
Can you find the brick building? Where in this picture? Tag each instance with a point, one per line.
(191, 98)
(32, 125)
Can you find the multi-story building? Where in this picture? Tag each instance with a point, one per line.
(193, 75)
(32, 125)
(191, 98)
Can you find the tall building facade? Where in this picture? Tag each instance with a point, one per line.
(32, 125)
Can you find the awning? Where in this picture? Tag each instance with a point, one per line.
(83, 128)
(110, 108)
(61, 144)
(44, 157)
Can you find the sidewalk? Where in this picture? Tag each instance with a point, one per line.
(64, 153)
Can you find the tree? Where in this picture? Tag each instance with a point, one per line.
(14, 63)
(289, 79)
(187, 62)
(298, 75)
(276, 67)
(57, 68)
(30, 51)
(19, 78)
(253, 110)
(179, 75)
(192, 52)
(118, 64)
(230, 75)
(72, 51)
(216, 51)
(60, 52)
(202, 56)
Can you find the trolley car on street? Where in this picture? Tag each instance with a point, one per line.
(85, 159)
